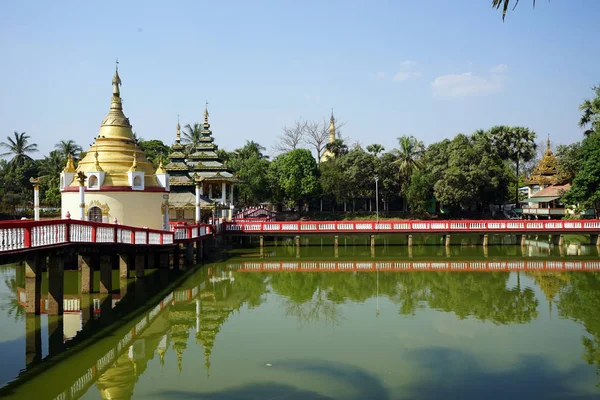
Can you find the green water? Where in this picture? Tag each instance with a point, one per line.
(231, 331)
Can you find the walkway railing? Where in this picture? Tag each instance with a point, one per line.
(459, 226)
(28, 234)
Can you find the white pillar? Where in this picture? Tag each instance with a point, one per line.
(231, 194)
(210, 191)
(223, 192)
(82, 197)
(36, 202)
(197, 203)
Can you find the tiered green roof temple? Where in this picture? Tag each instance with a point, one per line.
(198, 165)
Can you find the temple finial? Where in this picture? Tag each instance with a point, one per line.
(178, 135)
(134, 165)
(331, 128)
(96, 163)
(70, 167)
(548, 141)
(116, 80)
(206, 113)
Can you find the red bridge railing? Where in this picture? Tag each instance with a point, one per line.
(405, 226)
(21, 235)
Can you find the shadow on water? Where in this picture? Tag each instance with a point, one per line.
(364, 384)
(457, 374)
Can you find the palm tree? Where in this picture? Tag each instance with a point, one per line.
(66, 147)
(591, 113)
(192, 134)
(251, 148)
(408, 160)
(375, 149)
(19, 148)
(504, 5)
(51, 166)
(408, 156)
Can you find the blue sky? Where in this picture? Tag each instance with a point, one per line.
(429, 68)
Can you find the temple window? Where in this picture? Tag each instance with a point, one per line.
(95, 214)
(137, 181)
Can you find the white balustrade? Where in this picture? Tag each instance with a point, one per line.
(46, 235)
(271, 227)
(167, 238)
(289, 227)
(366, 226)
(326, 227)
(81, 233)
(12, 239)
(140, 237)
(124, 236)
(181, 233)
(154, 238)
(105, 234)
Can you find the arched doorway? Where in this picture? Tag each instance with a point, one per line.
(95, 214)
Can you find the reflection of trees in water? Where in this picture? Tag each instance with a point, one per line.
(485, 296)
(579, 300)
(9, 302)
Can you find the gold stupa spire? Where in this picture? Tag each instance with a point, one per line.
(178, 135)
(70, 167)
(548, 145)
(116, 124)
(134, 166)
(96, 163)
(161, 168)
(332, 128)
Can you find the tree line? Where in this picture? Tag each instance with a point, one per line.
(465, 175)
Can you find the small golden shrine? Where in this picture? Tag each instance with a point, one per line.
(546, 172)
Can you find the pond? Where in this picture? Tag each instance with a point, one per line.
(307, 324)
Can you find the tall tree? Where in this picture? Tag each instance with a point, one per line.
(291, 137)
(66, 147)
(295, 173)
(568, 160)
(408, 153)
(591, 113)
(516, 144)
(49, 170)
(155, 151)
(18, 148)
(317, 135)
(585, 190)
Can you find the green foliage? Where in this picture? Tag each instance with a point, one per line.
(18, 149)
(155, 151)
(295, 176)
(568, 158)
(66, 147)
(585, 190)
(251, 167)
(590, 112)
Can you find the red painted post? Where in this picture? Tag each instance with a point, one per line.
(93, 234)
(27, 236)
(133, 237)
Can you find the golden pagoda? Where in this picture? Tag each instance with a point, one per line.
(121, 183)
(328, 154)
(546, 172)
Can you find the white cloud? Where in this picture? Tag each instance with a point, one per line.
(408, 70)
(467, 84)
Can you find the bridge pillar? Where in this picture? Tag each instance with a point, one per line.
(522, 240)
(558, 240)
(105, 274)
(87, 274)
(56, 331)
(33, 339)
(199, 250)
(372, 241)
(151, 260)
(86, 304)
(335, 246)
(409, 241)
(189, 253)
(176, 257)
(447, 242)
(123, 286)
(124, 261)
(33, 283)
(484, 240)
(56, 284)
(561, 240)
(297, 241)
(140, 261)
(410, 252)
(595, 240)
(261, 240)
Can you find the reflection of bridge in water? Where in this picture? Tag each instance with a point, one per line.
(116, 359)
(414, 266)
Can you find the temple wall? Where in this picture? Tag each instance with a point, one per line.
(130, 208)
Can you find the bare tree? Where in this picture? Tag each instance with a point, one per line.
(291, 137)
(317, 136)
